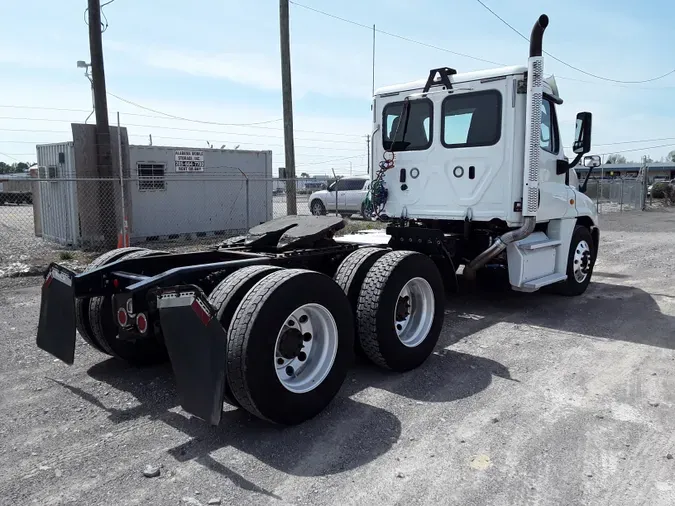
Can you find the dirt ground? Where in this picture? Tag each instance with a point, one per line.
(528, 399)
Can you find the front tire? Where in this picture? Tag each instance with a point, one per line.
(400, 310)
(290, 344)
(317, 208)
(580, 263)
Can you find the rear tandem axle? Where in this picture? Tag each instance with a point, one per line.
(269, 322)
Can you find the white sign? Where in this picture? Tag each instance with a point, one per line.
(189, 161)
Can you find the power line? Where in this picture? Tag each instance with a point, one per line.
(10, 156)
(568, 64)
(333, 141)
(188, 119)
(439, 48)
(59, 109)
(401, 37)
(331, 161)
(636, 149)
(630, 142)
(628, 87)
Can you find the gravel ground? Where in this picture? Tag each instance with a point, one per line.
(528, 399)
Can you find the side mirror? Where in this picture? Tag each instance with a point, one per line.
(582, 135)
(592, 161)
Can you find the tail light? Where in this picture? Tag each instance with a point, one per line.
(142, 323)
(122, 317)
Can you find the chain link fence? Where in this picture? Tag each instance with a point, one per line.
(618, 194)
(51, 218)
(70, 219)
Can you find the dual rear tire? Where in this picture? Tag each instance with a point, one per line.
(291, 333)
(290, 341)
(94, 319)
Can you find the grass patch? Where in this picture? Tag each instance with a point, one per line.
(66, 255)
(354, 226)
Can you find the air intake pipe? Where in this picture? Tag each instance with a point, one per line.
(535, 77)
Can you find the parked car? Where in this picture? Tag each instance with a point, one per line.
(347, 194)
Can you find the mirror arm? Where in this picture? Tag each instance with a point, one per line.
(576, 160)
(584, 186)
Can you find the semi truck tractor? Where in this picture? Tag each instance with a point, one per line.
(468, 173)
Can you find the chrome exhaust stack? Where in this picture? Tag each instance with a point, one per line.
(535, 90)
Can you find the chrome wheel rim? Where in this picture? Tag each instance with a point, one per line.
(316, 208)
(582, 261)
(414, 312)
(305, 348)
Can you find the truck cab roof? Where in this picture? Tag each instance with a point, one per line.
(550, 88)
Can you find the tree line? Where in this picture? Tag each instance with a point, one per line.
(13, 168)
(616, 158)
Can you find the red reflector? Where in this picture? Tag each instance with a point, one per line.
(122, 317)
(142, 323)
(201, 312)
(48, 281)
(116, 283)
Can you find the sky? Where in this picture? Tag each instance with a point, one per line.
(218, 61)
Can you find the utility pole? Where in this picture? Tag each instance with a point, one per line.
(368, 151)
(103, 148)
(373, 61)
(286, 89)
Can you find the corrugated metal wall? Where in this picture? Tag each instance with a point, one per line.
(58, 198)
(213, 200)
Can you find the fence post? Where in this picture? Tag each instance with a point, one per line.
(125, 239)
(597, 196)
(621, 197)
(248, 217)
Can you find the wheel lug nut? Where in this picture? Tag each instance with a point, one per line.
(280, 361)
(399, 326)
(290, 370)
(291, 323)
(303, 318)
(302, 356)
(307, 337)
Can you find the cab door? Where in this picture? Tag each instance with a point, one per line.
(554, 195)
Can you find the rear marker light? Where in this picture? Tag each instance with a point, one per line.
(122, 317)
(142, 323)
(201, 312)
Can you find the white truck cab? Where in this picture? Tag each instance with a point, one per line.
(478, 156)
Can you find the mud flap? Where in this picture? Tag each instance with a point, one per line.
(196, 342)
(56, 328)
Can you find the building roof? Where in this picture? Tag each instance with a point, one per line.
(457, 78)
(636, 166)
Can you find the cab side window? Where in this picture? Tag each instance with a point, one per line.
(550, 140)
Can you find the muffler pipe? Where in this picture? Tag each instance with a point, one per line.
(531, 173)
(500, 245)
(537, 36)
